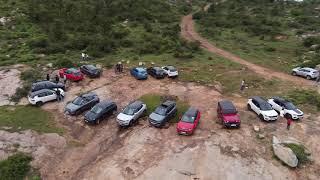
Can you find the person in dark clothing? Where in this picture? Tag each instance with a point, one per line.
(121, 67)
(57, 78)
(58, 95)
(48, 77)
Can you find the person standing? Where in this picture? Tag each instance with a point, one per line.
(121, 67)
(58, 93)
(83, 55)
(48, 77)
(289, 121)
(64, 79)
(242, 86)
(57, 79)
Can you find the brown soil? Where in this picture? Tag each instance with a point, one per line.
(143, 152)
(189, 33)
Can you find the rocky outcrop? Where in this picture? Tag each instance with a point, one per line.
(283, 153)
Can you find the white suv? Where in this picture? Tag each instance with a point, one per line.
(44, 95)
(306, 72)
(131, 113)
(262, 108)
(289, 110)
(170, 71)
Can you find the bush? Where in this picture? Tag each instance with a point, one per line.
(299, 151)
(309, 41)
(38, 42)
(305, 97)
(63, 63)
(15, 167)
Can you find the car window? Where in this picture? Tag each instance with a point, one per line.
(161, 110)
(78, 101)
(128, 110)
(96, 109)
(42, 94)
(169, 109)
(49, 93)
(187, 118)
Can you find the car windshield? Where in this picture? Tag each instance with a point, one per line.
(290, 106)
(96, 109)
(128, 111)
(229, 111)
(265, 106)
(160, 110)
(77, 101)
(187, 119)
(172, 69)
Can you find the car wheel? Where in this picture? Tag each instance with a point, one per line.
(288, 116)
(294, 73)
(249, 107)
(39, 103)
(308, 77)
(261, 117)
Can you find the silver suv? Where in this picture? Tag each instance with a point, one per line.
(306, 72)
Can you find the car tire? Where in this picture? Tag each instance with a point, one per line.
(294, 73)
(261, 117)
(288, 116)
(308, 77)
(249, 107)
(39, 103)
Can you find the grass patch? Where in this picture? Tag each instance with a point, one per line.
(299, 151)
(307, 98)
(15, 167)
(154, 100)
(28, 117)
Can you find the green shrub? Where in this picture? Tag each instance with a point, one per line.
(305, 97)
(38, 42)
(63, 63)
(299, 151)
(309, 41)
(15, 167)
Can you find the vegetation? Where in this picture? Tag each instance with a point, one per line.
(15, 167)
(27, 117)
(299, 151)
(276, 34)
(306, 98)
(154, 100)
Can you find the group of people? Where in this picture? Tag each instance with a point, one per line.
(57, 79)
(118, 67)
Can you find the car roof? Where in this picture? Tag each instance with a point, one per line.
(90, 66)
(88, 94)
(41, 82)
(310, 69)
(168, 103)
(282, 100)
(40, 91)
(191, 111)
(259, 99)
(226, 104)
(158, 68)
(105, 103)
(73, 69)
(140, 69)
(170, 67)
(135, 104)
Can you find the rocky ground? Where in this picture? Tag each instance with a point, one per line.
(143, 152)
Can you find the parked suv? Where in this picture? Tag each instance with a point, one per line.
(262, 108)
(188, 122)
(100, 111)
(289, 110)
(44, 95)
(91, 71)
(139, 73)
(72, 74)
(306, 72)
(228, 114)
(170, 71)
(156, 72)
(82, 103)
(131, 113)
(46, 85)
(163, 113)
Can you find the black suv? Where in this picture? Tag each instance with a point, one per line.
(100, 111)
(156, 72)
(91, 71)
(81, 103)
(163, 113)
(46, 85)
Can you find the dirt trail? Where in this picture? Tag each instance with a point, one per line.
(188, 32)
(144, 152)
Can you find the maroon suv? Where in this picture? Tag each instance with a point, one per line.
(228, 114)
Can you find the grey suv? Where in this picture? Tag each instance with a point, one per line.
(306, 72)
(163, 113)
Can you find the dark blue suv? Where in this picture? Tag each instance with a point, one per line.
(139, 73)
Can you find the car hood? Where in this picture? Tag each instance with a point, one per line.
(90, 116)
(231, 118)
(124, 117)
(296, 111)
(184, 125)
(156, 117)
(269, 113)
(71, 107)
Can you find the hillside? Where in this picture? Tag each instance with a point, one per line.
(276, 34)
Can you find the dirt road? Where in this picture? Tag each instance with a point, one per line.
(188, 32)
(144, 152)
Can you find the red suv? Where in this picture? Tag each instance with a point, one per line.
(72, 74)
(188, 122)
(228, 114)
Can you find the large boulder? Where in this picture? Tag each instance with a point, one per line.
(285, 154)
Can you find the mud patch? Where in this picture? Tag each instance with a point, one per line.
(9, 82)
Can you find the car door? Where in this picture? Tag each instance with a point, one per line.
(255, 106)
(277, 105)
(139, 111)
(51, 95)
(300, 72)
